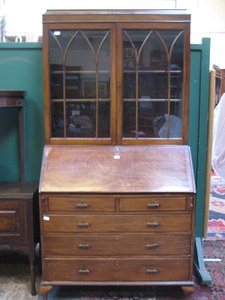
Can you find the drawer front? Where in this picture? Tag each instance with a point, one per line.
(152, 204)
(9, 205)
(119, 223)
(117, 269)
(11, 221)
(81, 204)
(116, 245)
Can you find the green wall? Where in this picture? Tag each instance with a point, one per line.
(21, 69)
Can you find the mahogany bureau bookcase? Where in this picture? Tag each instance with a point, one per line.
(116, 193)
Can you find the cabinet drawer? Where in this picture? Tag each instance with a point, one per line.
(117, 269)
(116, 245)
(116, 223)
(81, 204)
(11, 221)
(152, 203)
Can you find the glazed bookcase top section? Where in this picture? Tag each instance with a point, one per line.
(116, 77)
(121, 169)
(151, 15)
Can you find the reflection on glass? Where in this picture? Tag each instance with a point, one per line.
(80, 119)
(103, 119)
(80, 80)
(129, 119)
(57, 120)
(145, 120)
(152, 86)
(129, 90)
(152, 81)
(56, 86)
(72, 85)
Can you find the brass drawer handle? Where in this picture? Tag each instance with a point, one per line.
(82, 205)
(84, 271)
(84, 225)
(83, 246)
(153, 224)
(152, 271)
(153, 204)
(152, 245)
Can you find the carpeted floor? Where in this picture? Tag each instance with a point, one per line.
(15, 282)
(216, 223)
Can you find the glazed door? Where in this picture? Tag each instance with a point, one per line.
(81, 61)
(153, 80)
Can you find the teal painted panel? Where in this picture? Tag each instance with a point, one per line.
(21, 69)
(195, 78)
(198, 127)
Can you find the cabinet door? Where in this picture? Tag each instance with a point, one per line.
(153, 75)
(81, 83)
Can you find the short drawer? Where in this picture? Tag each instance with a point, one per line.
(117, 269)
(81, 204)
(117, 223)
(152, 203)
(103, 245)
(11, 221)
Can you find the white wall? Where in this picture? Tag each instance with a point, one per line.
(208, 17)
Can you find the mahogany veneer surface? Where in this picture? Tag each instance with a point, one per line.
(140, 169)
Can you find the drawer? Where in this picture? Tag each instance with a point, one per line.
(117, 223)
(116, 269)
(152, 203)
(103, 245)
(11, 221)
(81, 204)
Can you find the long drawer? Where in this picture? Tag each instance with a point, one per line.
(117, 269)
(103, 245)
(116, 223)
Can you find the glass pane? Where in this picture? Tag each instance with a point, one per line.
(104, 86)
(177, 52)
(104, 55)
(153, 78)
(55, 53)
(81, 119)
(57, 120)
(152, 86)
(145, 119)
(104, 119)
(176, 86)
(72, 85)
(79, 54)
(88, 87)
(129, 86)
(56, 85)
(129, 119)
